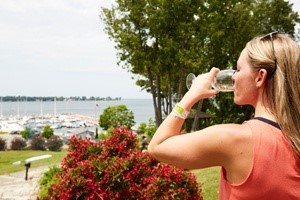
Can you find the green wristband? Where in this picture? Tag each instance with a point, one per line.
(180, 112)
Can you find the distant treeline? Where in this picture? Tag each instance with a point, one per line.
(83, 98)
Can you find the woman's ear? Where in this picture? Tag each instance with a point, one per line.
(261, 77)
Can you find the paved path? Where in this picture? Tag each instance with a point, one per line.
(13, 186)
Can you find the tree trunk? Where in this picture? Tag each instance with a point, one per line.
(181, 83)
(195, 125)
(169, 100)
(154, 97)
(159, 106)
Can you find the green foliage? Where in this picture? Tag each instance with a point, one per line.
(54, 143)
(47, 180)
(116, 116)
(47, 132)
(224, 111)
(2, 144)
(25, 133)
(161, 41)
(105, 134)
(18, 143)
(142, 128)
(147, 129)
(265, 19)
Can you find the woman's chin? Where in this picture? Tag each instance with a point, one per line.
(236, 101)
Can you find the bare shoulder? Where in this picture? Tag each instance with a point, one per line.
(230, 132)
(229, 141)
(231, 135)
(236, 148)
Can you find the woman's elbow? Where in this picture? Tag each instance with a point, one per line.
(151, 150)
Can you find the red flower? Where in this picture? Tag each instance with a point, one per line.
(116, 168)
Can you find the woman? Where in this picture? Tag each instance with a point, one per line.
(259, 159)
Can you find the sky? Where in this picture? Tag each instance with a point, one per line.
(59, 48)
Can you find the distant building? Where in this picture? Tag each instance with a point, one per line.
(82, 133)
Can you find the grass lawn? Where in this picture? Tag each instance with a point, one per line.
(210, 182)
(8, 157)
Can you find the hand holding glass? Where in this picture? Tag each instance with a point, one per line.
(223, 80)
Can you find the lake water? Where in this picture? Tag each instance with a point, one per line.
(142, 108)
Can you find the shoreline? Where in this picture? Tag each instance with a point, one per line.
(142, 108)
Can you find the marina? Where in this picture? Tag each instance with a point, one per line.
(65, 117)
(64, 125)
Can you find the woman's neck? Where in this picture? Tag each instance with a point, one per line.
(264, 111)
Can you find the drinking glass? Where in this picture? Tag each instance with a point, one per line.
(223, 80)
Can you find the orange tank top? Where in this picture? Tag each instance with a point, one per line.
(275, 171)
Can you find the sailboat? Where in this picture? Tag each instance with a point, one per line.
(1, 108)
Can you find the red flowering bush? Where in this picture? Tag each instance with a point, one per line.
(116, 168)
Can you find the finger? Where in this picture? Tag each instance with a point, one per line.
(214, 71)
(215, 91)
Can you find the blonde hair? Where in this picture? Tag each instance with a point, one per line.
(279, 54)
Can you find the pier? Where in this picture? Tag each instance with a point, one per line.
(88, 119)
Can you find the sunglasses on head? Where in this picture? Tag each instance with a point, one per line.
(270, 36)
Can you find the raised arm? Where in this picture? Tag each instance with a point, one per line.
(200, 149)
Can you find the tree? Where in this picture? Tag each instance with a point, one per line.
(18, 143)
(160, 41)
(2, 144)
(116, 116)
(147, 129)
(38, 143)
(54, 143)
(149, 34)
(47, 132)
(26, 133)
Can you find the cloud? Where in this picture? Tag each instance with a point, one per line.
(58, 47)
